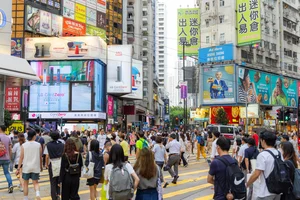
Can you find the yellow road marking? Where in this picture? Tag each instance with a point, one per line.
(184, 191)
(190, 173)
(208, 197)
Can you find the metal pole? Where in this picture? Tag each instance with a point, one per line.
(61, 125)
(246, 127)
(184, 100)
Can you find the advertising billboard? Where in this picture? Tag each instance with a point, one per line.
(80, 13)
(254, 86)
(62, 48)
(216, 54)
(136, 80)
(53, 6)
(110, 105)
(200, 114)
(284, 91)
(119, 65)
(73, 28)
(16, 47)
(99, 87)
(232, 114)
(91, 16)
(248, 22)
(218, 84)
(53, 92)
(95, 31)
(13, 98)
(188, 31)
(69, 9)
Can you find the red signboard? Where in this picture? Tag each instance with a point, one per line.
(73, 28)
(12, 98)
(233, 114)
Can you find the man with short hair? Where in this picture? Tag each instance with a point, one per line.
(214, 152)
(264, 166)
(140, 143)
(124, 144)
(285, 138)
(101, 139)
(241, 153)
(217, 171)
(54, 151)
(174, 156)
(5, 159)
(31, 162)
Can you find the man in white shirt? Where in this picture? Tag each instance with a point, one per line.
(31, 162)
(241, 153)
(264, 166)
(214, 151)
(101, 139)
(174, 156)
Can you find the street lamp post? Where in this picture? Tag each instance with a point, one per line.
(185, 99)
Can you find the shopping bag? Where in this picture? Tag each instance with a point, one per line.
(103, 192)
(55, 165)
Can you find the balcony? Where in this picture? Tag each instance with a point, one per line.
(130, 8)
(130, 21)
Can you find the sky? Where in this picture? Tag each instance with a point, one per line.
(171, 38)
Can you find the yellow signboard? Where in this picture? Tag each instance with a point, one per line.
(15, 126)
(80, 13)
(248, 22)
(188, 31)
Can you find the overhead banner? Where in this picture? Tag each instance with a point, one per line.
(183, 90)
(119, 69)
(255, 86)
(216, 54)
(248, 22)
(188, 31)
(70, 48)
(218, 84)
(136, 80)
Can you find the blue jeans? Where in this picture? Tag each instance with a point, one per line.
(149, 194)
(5, 166)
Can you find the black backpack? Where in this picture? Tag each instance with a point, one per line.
(235, 180)
(279, 181)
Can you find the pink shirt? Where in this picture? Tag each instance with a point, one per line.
(132, 139)
(6, 141)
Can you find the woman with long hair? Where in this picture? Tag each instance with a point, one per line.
(70, 171)
(117, 160)
(290, 158)
(17, 151)
(96, 157)
(148, 173)
(183, 149)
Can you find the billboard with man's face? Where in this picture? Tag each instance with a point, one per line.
(218, 84)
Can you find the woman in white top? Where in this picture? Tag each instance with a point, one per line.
(183, 144)
(116, 159)
(17, 150)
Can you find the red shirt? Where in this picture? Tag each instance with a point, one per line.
(255, 137)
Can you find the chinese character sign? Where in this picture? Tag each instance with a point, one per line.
(183, 90)
(12, 98)
(188, 31)
(216, 53)
(167, 106)
(248, 22)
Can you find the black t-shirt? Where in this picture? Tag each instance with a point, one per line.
(218, 170)
(250, 153)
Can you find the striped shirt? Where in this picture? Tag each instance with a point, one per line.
(243, 94)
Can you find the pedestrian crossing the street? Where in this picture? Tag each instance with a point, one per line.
(191, 184)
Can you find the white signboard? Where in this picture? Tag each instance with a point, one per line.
(101, 5)
(67, 115)
(252, 111)
(136, 80)
(119, 69)
(69, 9)
(87, 47)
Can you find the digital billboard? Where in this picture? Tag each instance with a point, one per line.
(119, 65)
(218, 84)
(216, 54)
(53, 92)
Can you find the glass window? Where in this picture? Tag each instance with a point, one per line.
(222, 3)
(221, 18)
(222, 37)
(207, 39)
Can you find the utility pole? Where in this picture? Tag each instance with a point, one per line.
(185, 99)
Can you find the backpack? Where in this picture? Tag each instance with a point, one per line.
(238, 142)
(279, 180)
(201, 141)
(205, 136)
(296, 189)
(235, 180)
(121, 184)
(145, 144)
(2, 149)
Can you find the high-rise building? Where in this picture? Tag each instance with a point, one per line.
(160, 44)
(114, 18)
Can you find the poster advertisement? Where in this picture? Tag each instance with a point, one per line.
(13, 98)
(218, 84)
(136, 80)
(81, 99)
(183, 90)
(95, 31)
(284, 91)
(80, 13)
(119, 73)
(83, 2)
(216, 54)
(52, 6)
(200, 114)
(254, 86)
(248, 22)
(16, 47)
(232, 113)
(73, 28)
(101, 6)
(69, 9)
(52, 92)
(91, 16)
(45, 22)
(101, 20)
(110, 105)
(56, 25)
(91, 4)
(188, 32)
(33, 19)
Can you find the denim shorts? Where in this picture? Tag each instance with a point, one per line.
(32, 176)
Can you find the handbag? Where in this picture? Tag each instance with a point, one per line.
(74, 169)
(55, 166)
(103, 192)
(88, 171)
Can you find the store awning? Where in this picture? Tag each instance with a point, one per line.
(16, 67)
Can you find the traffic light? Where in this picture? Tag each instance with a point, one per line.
(287, 116)
(279, 115)
(176, 121)
(181, 122)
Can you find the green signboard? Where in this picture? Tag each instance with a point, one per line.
(95, 31)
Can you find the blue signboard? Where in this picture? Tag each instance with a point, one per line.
(216, 54)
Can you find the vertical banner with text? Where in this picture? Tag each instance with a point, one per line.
(248, 22)
(12, 98)
(188, 31)
(183, 90)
